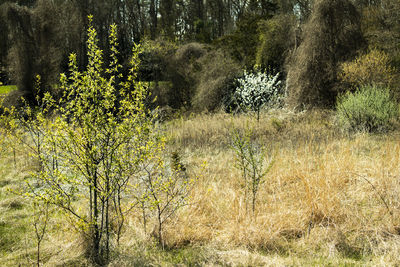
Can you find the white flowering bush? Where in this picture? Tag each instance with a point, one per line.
(257, 90)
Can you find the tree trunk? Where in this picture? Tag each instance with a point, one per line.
(38, 254)
(153, 19)
(96, 230)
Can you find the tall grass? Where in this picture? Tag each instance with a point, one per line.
(328, 199)
(326, 193)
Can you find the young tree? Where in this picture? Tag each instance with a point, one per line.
(40, 223)
(101, 133)
(257, 90)
(251, 161)
(162, 189)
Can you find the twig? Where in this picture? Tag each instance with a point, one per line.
(377, 192)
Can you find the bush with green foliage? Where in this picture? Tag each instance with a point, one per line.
(369, 109)
(5, 89)
(99, 151)
(92, 149)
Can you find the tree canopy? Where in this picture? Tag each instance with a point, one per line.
(38, 35)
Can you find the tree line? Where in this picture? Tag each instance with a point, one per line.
(38, 35)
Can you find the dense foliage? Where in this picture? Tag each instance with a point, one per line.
(369, 109)
(100, 146)
(39, 34)
(305, 40)
(373, 68)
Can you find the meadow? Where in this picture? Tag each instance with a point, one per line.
(206, 133)
(330, 199)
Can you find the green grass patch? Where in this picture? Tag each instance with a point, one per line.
(5, 89)
(11, 234)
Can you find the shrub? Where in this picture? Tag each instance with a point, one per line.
(201, 77)
(5, 89)
(257, 90)
(214, 80)
(371, 68)
(162, 188)
(91, 150)
(369, 109)
(100, 152)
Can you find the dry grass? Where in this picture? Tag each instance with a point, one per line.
(327, 193)
(329, 199)
(277, 127)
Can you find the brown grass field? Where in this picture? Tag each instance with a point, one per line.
(330, 199)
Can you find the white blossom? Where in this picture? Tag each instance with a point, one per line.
(257, 90)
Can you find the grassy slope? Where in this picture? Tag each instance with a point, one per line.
(329, 199)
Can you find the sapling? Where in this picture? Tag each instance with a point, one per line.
(256, 90)
(40, 221)
(99, 134)
(251, 161)
(165, 187)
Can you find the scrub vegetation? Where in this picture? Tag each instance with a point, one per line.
(199, 133)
